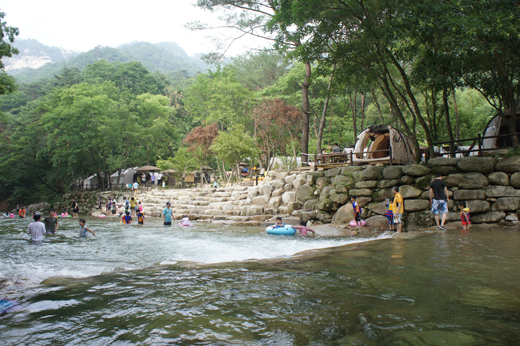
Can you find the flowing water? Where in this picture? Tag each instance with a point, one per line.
(223, 285)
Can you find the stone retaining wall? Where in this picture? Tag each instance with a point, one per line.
(490, 188)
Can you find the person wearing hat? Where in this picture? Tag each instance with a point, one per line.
(168, 214)
(36, 229)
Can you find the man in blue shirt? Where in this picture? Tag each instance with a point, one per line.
(168, 214)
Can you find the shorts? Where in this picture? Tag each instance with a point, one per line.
(390, 217)
(439, 206)
(168, 223)
(357, 217)
(75, 211)
(113, 211)
(465, 223)
(50, 232)
(397, 218)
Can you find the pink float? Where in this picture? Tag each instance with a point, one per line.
(353, 223)
(102, 215)
(185, 224)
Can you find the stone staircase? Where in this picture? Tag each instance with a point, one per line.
(220, 204)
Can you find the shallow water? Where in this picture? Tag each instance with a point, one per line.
(448, 288)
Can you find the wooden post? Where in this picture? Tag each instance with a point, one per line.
(351, 158)
(390, 155)
(315, 162)
(479, 145)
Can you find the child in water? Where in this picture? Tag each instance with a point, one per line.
(279, 223)
(127, 219)
(64, 213)
(185, 221)
(84, 229)
(464, 215)
(390, 214)
(140, 218)
(357, 210)
(303, 229)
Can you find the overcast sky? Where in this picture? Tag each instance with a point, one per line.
(83, 25)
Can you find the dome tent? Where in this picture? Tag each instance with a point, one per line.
(497, 127)
(383, 137)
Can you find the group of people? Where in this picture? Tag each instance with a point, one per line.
(302, 228)
(149, 179)
(439, 200)
(50, 226)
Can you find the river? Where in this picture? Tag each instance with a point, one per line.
(223, 285)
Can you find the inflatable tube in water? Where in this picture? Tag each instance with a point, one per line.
(185, 224)
(5, 305)
(287, 230)
(353, 223)
(102, 215)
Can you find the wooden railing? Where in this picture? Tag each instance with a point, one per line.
(348, 156)
(478, 141)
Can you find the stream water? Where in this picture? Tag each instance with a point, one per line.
(223, 285)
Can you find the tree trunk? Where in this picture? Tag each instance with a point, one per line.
(448, 122)
(306, 110)
(325, 106)
(354, 112)
(363, 96)
(456, 116)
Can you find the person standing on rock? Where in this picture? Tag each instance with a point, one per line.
(398, 209)
(439, 200)
(167, 214)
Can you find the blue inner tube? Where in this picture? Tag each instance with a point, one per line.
(287, 230)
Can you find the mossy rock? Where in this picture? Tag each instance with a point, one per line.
(423, 183)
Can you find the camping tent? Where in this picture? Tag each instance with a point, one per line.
(127, 176)
(496, 127)
(383, 137)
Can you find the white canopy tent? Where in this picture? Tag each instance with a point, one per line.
(387, 139)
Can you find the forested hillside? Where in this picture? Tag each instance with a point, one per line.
(166, 57)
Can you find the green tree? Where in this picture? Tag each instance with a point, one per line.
(183, 162)
(7, 35)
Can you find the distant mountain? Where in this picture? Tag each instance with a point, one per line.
(33, 55)
(44, 62)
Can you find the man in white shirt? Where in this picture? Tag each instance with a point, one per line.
(36, 229)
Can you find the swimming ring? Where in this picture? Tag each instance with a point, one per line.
(354, 224)
(286, 230)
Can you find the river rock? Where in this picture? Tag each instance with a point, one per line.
(498, 178)
(407, 180)
(463, 195)
(415, 170)
(392, 172)
(426, 194)
(307, 216)
(298, 182)
(288, 197)
(423, 183)
(515, 180)
(283, 210)
(310, 180)
(275, 202)
(339, 198)
(288, 187)
(332, 172)
(345, 214)
(509, 165)
(502, 191)
(416, 204)
(278, 184)
(304, 193)
(316, 174)
(326, 205)
(361, 192)
(369, 184)
(489, 217)
(478, 206)
(443, 161)
(341, 189)
(453, 180)
(295, 205)
(290, 178)
(477, 164)
(277, 192)
(445, 170)
(372, 173)
(266, 190)
(408, 191)
(252, 192)
(310, 204)
(321, 182)
(282, 175)
(323, 216)
(381, 195)
(378, 222)
(325, 192)
(250, 210)
(506, 204)
(419, 220)
(342, 179)
(473, 181)
(363, 201)
(351, 169)
(378, 208)
(383, 184)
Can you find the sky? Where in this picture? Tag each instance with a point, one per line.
(83, 25)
